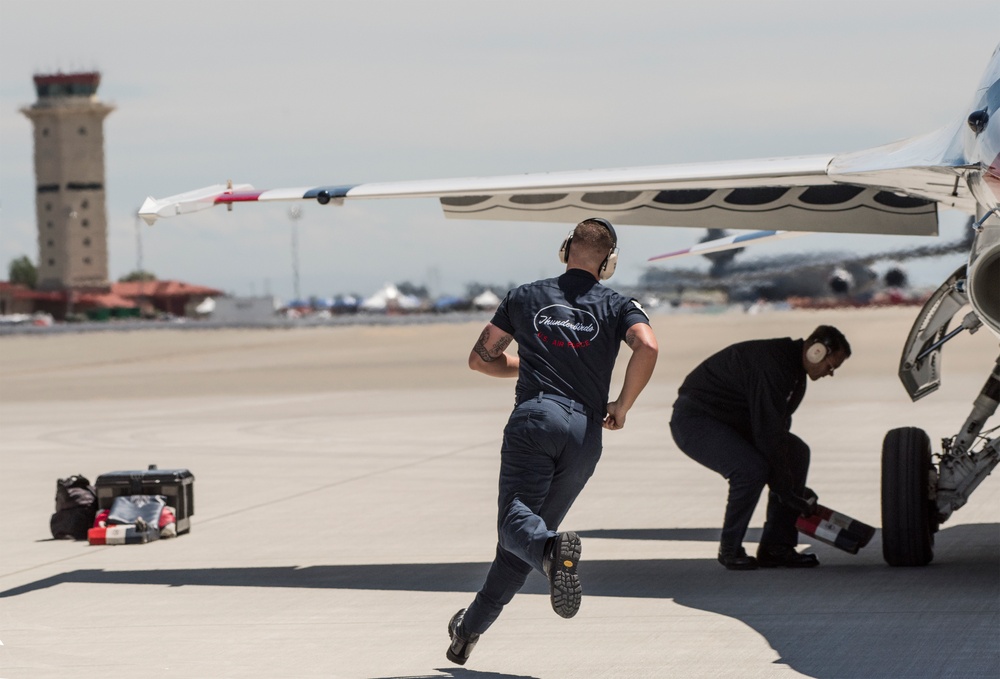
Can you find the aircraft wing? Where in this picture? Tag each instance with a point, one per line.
(891, 190)
(729, 243)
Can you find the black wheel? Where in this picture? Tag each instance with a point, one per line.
(908, 515)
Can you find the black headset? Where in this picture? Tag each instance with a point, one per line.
(610, 262)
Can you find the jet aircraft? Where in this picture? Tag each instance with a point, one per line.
(893, 189)
(836, 276)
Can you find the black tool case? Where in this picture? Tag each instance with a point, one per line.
(176, 484)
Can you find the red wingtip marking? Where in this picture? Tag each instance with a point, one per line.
(238, 197)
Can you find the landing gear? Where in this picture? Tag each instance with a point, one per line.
(909, 514)
(917, 494)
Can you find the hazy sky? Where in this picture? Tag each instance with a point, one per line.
(302, 93)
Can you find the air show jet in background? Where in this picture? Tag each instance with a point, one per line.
(816, 277)
(893, 189)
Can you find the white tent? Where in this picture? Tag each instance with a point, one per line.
(486, 300)
(206, 307)
(389, 298)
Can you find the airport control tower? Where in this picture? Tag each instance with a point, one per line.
(69, 181)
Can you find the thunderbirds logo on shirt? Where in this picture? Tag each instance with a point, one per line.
(564, 326)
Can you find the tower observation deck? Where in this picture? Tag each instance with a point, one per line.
(70, 206)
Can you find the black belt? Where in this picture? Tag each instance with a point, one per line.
(575, 406)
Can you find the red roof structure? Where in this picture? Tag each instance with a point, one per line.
(161, 289)
(172, 297)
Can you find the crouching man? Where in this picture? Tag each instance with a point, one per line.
(733, 414)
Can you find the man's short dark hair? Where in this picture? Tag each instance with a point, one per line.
(831, 337)
(592, 234)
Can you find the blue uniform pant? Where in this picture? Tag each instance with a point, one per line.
(725, 451)
(550, 449)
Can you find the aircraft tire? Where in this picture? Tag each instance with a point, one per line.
(908, 515)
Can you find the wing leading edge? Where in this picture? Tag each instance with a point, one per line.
(888, 190)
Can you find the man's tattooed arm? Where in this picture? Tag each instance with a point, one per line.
(630, 338)
(493, 353)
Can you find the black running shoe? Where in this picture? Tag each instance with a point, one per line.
(461, 643)
(560, 564)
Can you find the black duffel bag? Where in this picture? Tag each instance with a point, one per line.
(76, 508)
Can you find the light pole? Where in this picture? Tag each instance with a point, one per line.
(138, 262)
(295, 214)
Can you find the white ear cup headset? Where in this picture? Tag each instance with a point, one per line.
(816, 352)
(610, 262)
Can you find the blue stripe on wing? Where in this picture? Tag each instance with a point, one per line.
(329, 191)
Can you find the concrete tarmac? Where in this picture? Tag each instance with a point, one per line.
(345, 501)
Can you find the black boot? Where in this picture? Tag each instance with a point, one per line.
(462, 643)
(562, 555)
(784, 556)
(735, 558)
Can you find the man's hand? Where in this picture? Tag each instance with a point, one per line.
(615, 419)
(810, 496)
(806, 506)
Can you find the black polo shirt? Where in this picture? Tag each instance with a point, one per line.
(568, 331)
(754, 387)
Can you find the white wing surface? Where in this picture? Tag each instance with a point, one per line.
(888, 190)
